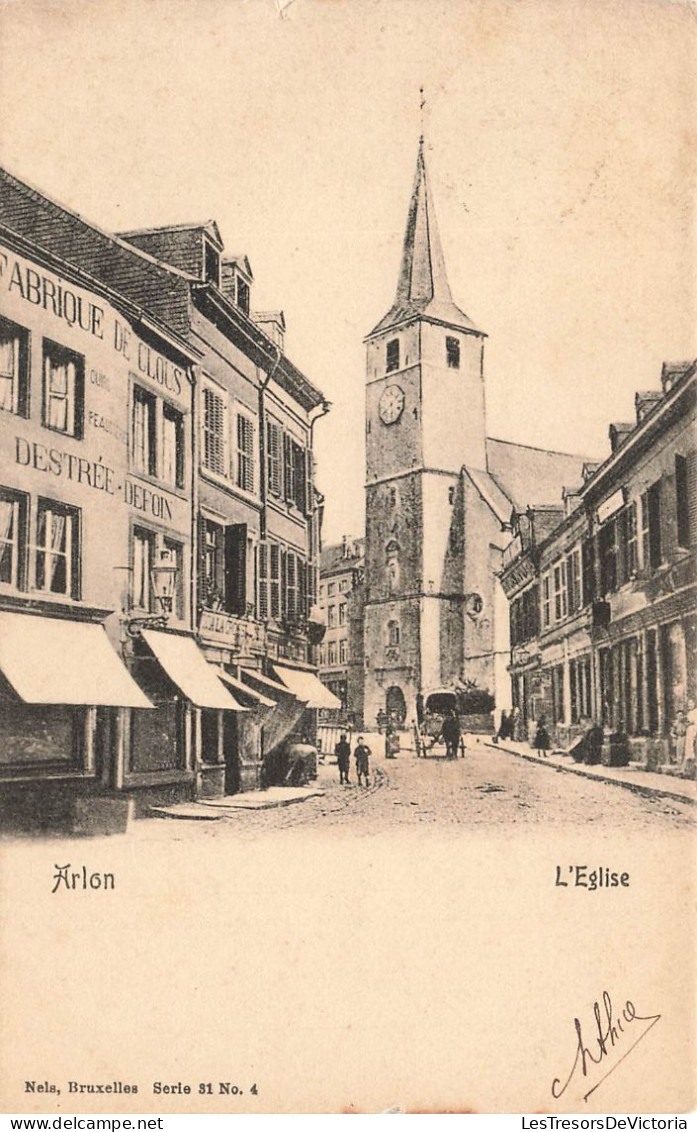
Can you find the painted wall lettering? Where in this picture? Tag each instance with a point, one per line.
(64, 464)
(143, 499)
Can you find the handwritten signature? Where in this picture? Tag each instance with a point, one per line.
(611, 1031)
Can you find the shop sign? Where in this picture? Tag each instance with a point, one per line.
(609, 506)
(237, 633)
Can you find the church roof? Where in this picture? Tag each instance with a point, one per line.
(423, 290)
(532, 477)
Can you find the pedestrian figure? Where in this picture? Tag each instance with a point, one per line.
(505, 727)
(362, 756)
(450, 734)
(542, 741)
(342, 751)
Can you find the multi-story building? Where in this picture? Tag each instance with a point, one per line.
(96, 519)
(230, 442)
(603, 589)
(341, 571)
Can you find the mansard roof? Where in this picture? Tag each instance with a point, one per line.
(423, 290)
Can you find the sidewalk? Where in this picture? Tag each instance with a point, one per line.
(632, 777)
(213, 809)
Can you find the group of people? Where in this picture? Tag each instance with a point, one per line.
(342, 751)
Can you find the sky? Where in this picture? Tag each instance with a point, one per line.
(561, 142)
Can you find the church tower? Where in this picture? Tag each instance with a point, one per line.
(424, 422)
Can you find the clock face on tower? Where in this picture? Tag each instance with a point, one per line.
(391, 404)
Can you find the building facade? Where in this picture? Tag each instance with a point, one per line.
(341, 572)
(439, 492)
(603, 590)
(189, 444)
(90, 503)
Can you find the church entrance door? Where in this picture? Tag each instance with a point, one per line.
(395, 705)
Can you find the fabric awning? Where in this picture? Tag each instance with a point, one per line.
(188, 668)
(243, 692)
(306, 686)
(51, 660)
(269, 687)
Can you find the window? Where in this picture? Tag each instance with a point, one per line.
(211, 264)
(343, 585)
(13, 536)
(274, 457)
(331, 589)
(214, 447)
(175, 551)
(331, 616)
(651, 526)
(64, 374)
(452, 352)
(560, 591)
(14, 368)
(393, 634)
(242, 295)
(546, 602)
(392, 355)
(342, 613)
(172, 471)
(343, 655)
(142, 596)
(331, 653)
(144, 431)
(295, 473)
(57, 548)
(573, 577)
(245, 453)
(607, 549)
(213, 564)
(682, 501)
(628, 561)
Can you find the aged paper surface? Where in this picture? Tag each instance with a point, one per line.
(416, 949)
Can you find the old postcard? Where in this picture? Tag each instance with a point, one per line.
(348, 547)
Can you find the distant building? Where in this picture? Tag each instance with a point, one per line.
(341, 571)
(439, 491)
(603, 588)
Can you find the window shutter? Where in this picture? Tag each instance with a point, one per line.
(262, 581)
(284, 583)
(200, 580)
(214, 426)
(288, 469)
(300, 480)
(692, 495)
(309, 479)
(236, 568)
(588, 556)
(302, 589)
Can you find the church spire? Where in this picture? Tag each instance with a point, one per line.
(423, 288)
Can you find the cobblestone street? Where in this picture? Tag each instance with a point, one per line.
(487, 788)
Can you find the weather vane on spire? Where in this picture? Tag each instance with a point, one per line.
(422, 110)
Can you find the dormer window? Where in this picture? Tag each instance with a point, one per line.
(392, 355)
(452, 352)
(211, 264)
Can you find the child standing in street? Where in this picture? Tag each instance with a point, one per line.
(362, 756)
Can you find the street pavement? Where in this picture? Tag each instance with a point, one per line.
(488, 787)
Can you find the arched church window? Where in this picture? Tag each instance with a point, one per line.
(452, 352)
(393, 634)
(392, 572)
(392, 497)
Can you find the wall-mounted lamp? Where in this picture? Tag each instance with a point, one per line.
(163, 581)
